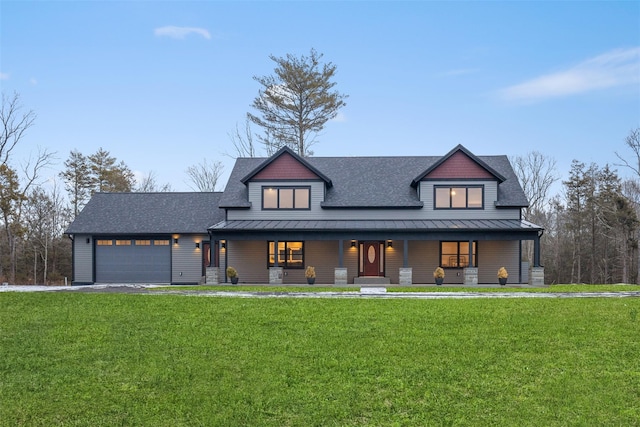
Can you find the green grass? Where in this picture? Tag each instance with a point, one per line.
(256, 288)
(395, 288)
(79, 359)
(547, 289)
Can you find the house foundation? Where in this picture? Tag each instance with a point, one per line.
(471, 276)
(211, 276)
(406, 276)
(340, 276)
(275, 275)
(536, 276)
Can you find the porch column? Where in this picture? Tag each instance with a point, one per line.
(405, 254)
(340, 273)
(471, 253)
(212, 271)
(276, 254)
(536, 251)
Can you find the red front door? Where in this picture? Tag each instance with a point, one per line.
(372, 265)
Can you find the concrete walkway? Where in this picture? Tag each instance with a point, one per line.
(365, 292)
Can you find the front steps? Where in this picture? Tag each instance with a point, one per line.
(371, 280)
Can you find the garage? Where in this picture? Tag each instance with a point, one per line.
(135, 260)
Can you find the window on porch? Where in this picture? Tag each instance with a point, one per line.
(290, 254)
(456, 254)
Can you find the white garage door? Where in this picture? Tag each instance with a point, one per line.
(143, 260)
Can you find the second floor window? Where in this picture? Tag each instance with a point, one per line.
(467, 197)
(286, 197)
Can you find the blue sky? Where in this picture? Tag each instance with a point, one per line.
(161, 84)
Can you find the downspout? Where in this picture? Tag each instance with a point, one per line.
(536, 249)
(73, 258)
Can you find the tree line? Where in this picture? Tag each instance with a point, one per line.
(591, 225)
(35, 213)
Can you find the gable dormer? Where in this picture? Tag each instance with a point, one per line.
(459, 164)
(286, 165)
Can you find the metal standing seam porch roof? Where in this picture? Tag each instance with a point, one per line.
(513, 228)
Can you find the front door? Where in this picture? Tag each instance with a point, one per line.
(371, 259)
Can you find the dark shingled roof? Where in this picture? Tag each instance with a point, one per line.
(148, 213)
(374, 182)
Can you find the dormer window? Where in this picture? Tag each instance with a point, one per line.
(286, 197)
(459, 197)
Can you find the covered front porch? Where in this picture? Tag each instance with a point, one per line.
(379, 252)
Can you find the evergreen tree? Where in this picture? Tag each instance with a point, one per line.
(294, 104)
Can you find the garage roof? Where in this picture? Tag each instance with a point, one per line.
(148, 213)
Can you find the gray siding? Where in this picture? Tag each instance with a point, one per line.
(489, 211)
(324, 256)
(186, 259)
(423, 259)
(495, 254)
(249, 258)
(317, 212)
(83, 258)
(393, 258)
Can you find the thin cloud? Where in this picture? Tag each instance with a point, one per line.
(180, 33)
(4, 76)
(459, 72)
(620, 67)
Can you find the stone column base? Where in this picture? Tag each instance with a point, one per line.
(406, 276)
(471, 276)
(536, 276)
(340, 276)
(275, 275)
(211, 276)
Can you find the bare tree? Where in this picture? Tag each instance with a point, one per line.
(47, 217)
(243, 141)
(633, 142)
(149, 184)
(13, 188)
(14, 124)
(294, 104)
(204, 176)
(536, 173)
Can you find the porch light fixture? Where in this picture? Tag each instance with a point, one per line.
(88, 240)
(175, 240)
(223, 244)
(389, 244)
(197, 245)
(353, 243)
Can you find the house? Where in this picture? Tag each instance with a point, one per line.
(357, 220)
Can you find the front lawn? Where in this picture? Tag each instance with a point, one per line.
(396, 288)
(168, 360)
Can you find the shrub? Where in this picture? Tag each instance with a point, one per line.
(438, 273)
(502, 273)
(231, 272)
(310, 272)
